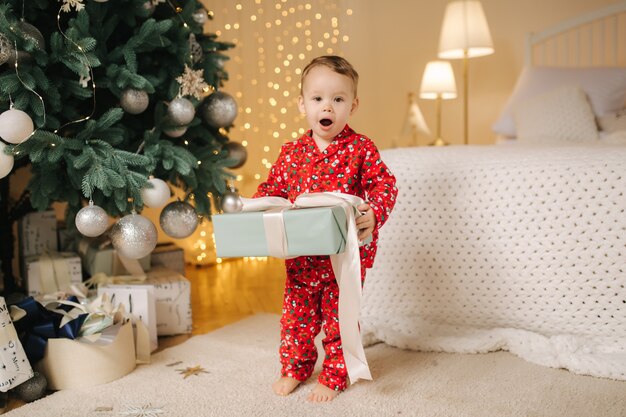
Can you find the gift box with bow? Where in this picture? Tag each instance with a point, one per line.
(272, 226)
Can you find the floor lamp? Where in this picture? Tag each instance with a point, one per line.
(438, 84)
(464, 34)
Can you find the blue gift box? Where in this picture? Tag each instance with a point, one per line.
(309, 231)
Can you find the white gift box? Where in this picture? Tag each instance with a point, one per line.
(48, 273)
(170, 256)
(14, 365)
(138, 301)
(37, 233)
(172, 294)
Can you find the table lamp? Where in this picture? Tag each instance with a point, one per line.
(438, 84)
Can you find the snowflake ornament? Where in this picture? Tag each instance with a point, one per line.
(68, 4)
(145, 410)
(189, 371)
(192, 83)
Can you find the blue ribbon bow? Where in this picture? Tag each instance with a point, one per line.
(41, 324)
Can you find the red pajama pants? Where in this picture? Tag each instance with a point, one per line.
(310, 304)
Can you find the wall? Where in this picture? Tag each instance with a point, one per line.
(389, 44)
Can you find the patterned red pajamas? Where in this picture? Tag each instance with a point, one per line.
(351, 164)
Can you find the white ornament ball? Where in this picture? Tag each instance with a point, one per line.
(200, 16)
(6, 162)
(157, 195)
(92, 220)
(15, 126)
(231, 202)
(178, 219)
(180, 111)
(219, 109)
(134, 101)
(134, 236)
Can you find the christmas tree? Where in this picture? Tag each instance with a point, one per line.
(97, 96)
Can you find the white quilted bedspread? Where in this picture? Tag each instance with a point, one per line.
(505, 247)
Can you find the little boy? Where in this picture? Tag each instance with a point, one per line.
(329, 157)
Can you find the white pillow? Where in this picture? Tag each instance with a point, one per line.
(613, 122)
(560, 116)
(605, 87)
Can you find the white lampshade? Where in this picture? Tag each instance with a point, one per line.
(438, 81)
(464, 29)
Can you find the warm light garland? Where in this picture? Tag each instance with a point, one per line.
(275, 40)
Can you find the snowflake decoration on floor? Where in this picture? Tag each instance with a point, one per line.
(192, 83)
(142, 411)
(196, 370)
(68, 4)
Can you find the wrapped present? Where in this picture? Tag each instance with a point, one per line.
(51, 272)
(303, 231)
(170, 256)
(311, 231)
(138, 301)
(67, 238)
(90, 360)
(99, 256)
(172, 296)
(14, 365)
(37, 233)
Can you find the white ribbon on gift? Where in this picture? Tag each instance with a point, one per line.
(346, 265)
(54, 272)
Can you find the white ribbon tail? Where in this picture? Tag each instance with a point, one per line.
(347, 269)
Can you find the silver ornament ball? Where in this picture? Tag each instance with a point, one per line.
(231, 202)
(195, 49)
(32, 34)
(134, 101)
(175, 132)
(180, 111)
(134, 236)
(237, 153)
(92, 220)
(219, 109)
(179, 219)
(32, 389)
(6, 49)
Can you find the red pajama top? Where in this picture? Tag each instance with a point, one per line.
(350, 164)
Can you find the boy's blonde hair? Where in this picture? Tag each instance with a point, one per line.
(335, 63)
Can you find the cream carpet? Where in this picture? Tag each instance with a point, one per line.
(241, 361)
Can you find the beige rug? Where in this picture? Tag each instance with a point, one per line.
(241, 362)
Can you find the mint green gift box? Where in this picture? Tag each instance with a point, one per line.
(310, 232)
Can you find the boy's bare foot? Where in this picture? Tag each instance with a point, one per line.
(285, 385)
(321, 393)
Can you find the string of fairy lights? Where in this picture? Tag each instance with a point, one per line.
(274, 40)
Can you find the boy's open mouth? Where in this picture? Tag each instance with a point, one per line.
(326, 122)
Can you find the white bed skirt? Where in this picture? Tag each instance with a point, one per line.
(505, 247)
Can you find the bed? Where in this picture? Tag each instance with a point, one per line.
(519, 247)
